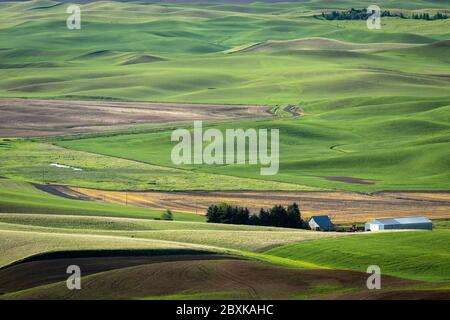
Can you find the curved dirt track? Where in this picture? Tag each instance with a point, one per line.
(210, 276)
(32, 117)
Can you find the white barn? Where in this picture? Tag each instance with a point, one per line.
(413, 223)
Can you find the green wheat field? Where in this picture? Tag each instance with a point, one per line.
(372, 105)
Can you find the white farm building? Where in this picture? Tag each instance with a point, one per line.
(322, 223)
(414, 223)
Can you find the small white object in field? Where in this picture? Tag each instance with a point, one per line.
(65, 167)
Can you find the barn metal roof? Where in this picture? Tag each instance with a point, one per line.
(393, 221)
(322, 221)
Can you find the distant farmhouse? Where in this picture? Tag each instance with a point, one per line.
(415, 223)
(321, 223)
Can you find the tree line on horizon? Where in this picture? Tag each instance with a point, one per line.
(277, 216)
(363, 14)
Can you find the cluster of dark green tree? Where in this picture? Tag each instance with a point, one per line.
(363, 14)
(427, 16)
(278, 216)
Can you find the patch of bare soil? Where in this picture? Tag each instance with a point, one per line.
(31, 117)
(349, 180)
(56, 192)
(42, 270)
(295, 111)
(238, 278)
(343, 207)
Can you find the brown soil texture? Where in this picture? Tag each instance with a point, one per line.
(30, 117)
(342, 207)
(349, 180)
(138, 277)
(41, 272)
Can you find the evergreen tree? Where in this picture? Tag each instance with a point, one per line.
(264, 217)
(254, 220)
(294, 216)
(212, 214)
(278, 216)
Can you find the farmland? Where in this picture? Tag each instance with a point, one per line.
(229, 279)
(182, 53)
(141, 245)
(391, 85)
(23, 118)
(86, 174)
(362, 250)
(317, 148)
(232, 237)
(343, 207)
(31, 161)
(22, 197)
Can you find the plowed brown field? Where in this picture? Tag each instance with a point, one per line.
(140, 277)
(30, 117)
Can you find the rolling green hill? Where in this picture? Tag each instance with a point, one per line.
(375, 101)
(181, 50)
(31, 161)
(394, 143)
(421, 255)
(373, 114)
(416, 255)
(237, 237)
(18, 245)
(22, 197)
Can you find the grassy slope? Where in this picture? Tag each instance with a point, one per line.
(399, 144)
(30, 161)
(57, 232)
(21, 197)
(412, 254)
(17, 245)
(395, 98)
(442, 224)
(191, 41)
(248, 239)
(420, 255)
(403, 137)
